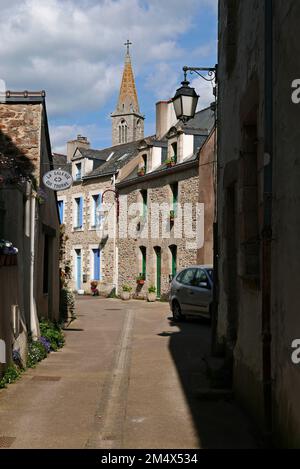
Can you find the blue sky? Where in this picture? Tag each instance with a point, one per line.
(74, 50)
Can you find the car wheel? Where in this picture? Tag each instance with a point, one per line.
(176, 310)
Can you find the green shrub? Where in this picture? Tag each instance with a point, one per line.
(126, 288)
(53, 333)
(36, 353)
(12, 374)
(152, 289)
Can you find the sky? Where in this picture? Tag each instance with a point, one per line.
(74, 50)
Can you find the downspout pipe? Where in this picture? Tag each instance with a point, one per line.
(34, 327)
(267, 225)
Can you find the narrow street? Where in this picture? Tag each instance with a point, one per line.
(126, 378)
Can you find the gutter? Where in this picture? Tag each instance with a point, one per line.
(158, 174)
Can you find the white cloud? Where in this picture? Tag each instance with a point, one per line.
(61, 134)
(71, 48)
(205, 90)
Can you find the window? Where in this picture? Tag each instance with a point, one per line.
(123, 132)
(78, 213)
(180, 276)
(96, 264)
(144, 195)
(96, 205)
(174, 151)
(144, 158)
(188, 277)
(201, 277)
(143, 251)
(78, 172)
(61, 211)
(164, 154)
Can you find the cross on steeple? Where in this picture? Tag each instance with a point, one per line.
(128, 44)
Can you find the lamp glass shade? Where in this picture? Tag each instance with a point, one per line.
(185, 102)
(177, 103)
(189, 104)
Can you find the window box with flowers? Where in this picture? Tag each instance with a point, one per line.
(170, 162)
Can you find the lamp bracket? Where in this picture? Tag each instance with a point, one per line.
(210, 76)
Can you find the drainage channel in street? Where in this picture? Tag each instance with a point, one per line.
(110, 415)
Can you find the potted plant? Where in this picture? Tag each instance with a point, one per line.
(94, 289)
(172, 216)
(151, 297)
(170, 162)
(125, 293)
(141, 171)
(140, 280)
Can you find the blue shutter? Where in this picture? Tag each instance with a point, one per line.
(61, 211)
(80, 213)
(96, 253)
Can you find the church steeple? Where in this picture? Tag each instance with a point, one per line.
(127, 121)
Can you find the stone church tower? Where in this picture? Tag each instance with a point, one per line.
(127, 121)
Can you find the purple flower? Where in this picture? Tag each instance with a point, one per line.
(45, 343)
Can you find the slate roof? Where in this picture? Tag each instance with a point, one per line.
(60, 161)
(92, 154)
(115, 158)
(201, 126)
(202, 123)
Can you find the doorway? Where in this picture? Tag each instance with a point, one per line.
(78, 263)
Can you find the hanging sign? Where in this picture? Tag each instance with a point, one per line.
(58, 180)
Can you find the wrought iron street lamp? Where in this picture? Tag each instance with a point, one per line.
(186, 99)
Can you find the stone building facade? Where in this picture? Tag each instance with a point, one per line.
(163, 168)
(29, 219)
(157, 244)
(258, 210)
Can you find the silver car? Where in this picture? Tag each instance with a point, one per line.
(191, 292)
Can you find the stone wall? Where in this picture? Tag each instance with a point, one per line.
(157, 234)
(241, 138)
(89, 236)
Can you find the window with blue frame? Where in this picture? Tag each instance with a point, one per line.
(96, 221)
(96, 264)
(79, 212)
(61, 211)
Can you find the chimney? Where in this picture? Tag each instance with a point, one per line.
(72, 145)
(165, 117)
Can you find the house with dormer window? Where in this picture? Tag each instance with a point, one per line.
(166, 172)
(161, 168)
